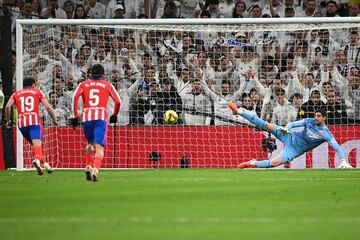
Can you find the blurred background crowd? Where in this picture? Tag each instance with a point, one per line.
(281, 76)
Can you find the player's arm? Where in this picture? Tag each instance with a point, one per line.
(50, 110)
(115, 96)
(8, 111)
(300, 123)
(75, 103)
(331, 140)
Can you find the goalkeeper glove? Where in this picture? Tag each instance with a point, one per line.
(74, 122)
(113, 119)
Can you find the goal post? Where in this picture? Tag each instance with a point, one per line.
(45, 48)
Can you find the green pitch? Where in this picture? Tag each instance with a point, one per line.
(181, 204)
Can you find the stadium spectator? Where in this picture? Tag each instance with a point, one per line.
(354, 10)
(310, 8)
(295, 86)
(308, 108)
(283, 111)
(130, 8)
(214, 9)
(270, 99)
(336, 111)
(274, 8)
(353, 95)
(220, 100)
(95, 9)
(53, 10)
(326, 46)
(226, 8)
(331, 9)
(36, 7)
(154, 107)
(62, 113)
(239, 10)
(171, 98)
(289, 12)
(255, 11)
(119, 12)
(352, 48)
(196, 103)
(80, 12)
(69, 9)
(27, 11)
(296, 100)
(257, 100)
(205, 14)
(170, 10)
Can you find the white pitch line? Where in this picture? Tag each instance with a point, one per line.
(130, 220)
(188, 180)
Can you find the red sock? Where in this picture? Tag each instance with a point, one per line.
(97, 162)
(89, 159)
(37, 151)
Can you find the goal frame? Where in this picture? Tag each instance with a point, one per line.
(224, 21)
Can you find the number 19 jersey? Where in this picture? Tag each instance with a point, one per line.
(27, 103)
(95, 95)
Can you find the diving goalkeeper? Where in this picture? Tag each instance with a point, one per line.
(314, 133)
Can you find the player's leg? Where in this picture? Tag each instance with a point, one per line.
(286, 155)
(35, 143)
(269, 163)
(35, 135)
(89, 160)
(89, 150)
(99, 155)
(99, 143)
(279, 132)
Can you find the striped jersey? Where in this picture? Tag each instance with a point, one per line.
(27, 103)
(95, 95)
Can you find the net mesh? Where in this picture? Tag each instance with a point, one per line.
(273, 70)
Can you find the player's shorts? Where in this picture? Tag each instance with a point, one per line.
(289, 152)
(95, 131)
(32, 132)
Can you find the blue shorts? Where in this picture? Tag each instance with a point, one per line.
(95, 131)
(289, 152)
(32, 132)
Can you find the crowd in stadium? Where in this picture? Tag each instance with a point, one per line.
(280, 76)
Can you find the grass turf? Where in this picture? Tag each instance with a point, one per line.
(181, 204)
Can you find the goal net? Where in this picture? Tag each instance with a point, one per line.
(281, 71)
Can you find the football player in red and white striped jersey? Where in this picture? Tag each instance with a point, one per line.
(27, 103)
(95, 94)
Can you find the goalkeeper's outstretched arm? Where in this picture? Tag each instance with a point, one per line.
(291, 125)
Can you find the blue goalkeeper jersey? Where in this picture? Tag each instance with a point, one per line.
(312, 136)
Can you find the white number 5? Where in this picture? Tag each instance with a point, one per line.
(93, 97)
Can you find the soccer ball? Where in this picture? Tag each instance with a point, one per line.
(170, 117)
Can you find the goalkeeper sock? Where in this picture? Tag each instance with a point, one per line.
(262, 164)
(97, 162)
(253, 119)
(37, 151)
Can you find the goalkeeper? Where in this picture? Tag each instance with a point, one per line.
(295, 144)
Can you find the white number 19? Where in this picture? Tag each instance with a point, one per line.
(27, 103)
